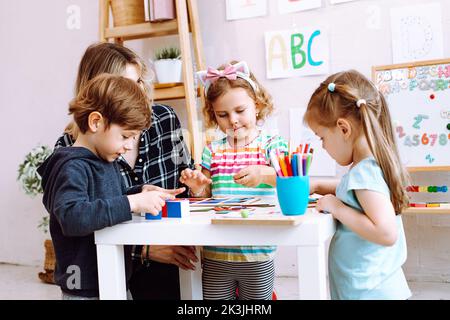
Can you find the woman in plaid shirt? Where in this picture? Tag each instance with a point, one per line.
(159, 156)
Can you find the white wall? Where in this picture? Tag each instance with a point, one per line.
(40, 55)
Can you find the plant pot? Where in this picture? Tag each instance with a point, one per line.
(49, 263)
(126, 12)
(168, 70)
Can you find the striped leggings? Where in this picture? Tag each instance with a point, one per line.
(254, 280)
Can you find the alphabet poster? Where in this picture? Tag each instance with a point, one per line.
(242, 9)
(417, 33)
(288, 6)
(294, 53)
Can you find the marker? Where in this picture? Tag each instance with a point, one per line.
(308, 163)
(275, 164)
(282, 165)
(299, 165)
(294, 164)
(288, 166)
(304, 165)
(306, 148)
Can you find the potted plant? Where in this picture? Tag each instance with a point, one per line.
(168, 65)
(31, 184)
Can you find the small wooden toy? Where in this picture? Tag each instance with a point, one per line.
(149, 216)
(178, 208)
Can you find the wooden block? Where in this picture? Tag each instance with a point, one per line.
(149, 216)
(178, 208)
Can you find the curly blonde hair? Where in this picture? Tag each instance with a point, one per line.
(262, 98)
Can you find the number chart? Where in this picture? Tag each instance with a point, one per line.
(418, 97)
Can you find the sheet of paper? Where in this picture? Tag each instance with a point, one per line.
(322, 164)
(417, 33)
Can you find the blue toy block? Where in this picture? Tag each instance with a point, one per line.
(149, 216)
(178, 208)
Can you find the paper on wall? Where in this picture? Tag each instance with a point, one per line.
(242, 9)
(417, 33)
(322, 164)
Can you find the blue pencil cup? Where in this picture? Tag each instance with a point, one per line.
(293, 194)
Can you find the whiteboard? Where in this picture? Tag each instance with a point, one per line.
(418, 96)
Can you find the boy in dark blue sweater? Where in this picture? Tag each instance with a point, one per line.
(83, 189)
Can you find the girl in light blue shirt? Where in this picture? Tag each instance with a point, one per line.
(368, 249)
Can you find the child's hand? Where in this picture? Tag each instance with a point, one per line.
(149, 201)
(253, 176)
(329, 204)
(194, 179)
(174, 192)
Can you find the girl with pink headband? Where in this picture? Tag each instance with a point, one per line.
(238, 164)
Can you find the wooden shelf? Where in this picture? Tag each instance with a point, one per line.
(186, 27)
(143, 30)
(427, 210)
(430, 169)
(170, 93)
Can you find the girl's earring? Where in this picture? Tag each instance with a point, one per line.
(260, 122)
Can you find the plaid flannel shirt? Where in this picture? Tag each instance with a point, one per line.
(162, 156)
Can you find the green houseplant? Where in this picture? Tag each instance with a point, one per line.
(168, 65)
(30, 181)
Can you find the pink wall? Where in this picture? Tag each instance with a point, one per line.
(39, 58)
(40, 55)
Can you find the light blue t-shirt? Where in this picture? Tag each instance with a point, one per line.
(358, 268)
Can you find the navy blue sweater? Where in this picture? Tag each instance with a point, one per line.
(83, 194)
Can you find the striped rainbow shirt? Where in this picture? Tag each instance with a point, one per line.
(223, 161)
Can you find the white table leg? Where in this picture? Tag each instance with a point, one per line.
(111, 272)
(191, 281)
(312, 273)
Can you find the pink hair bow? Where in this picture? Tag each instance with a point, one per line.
(213, 75)
(231, 72)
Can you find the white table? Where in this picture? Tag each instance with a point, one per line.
(310, 238)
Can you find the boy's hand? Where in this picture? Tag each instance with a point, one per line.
(253, 176)
(194, 179)
(149, 201)
(174, 192)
